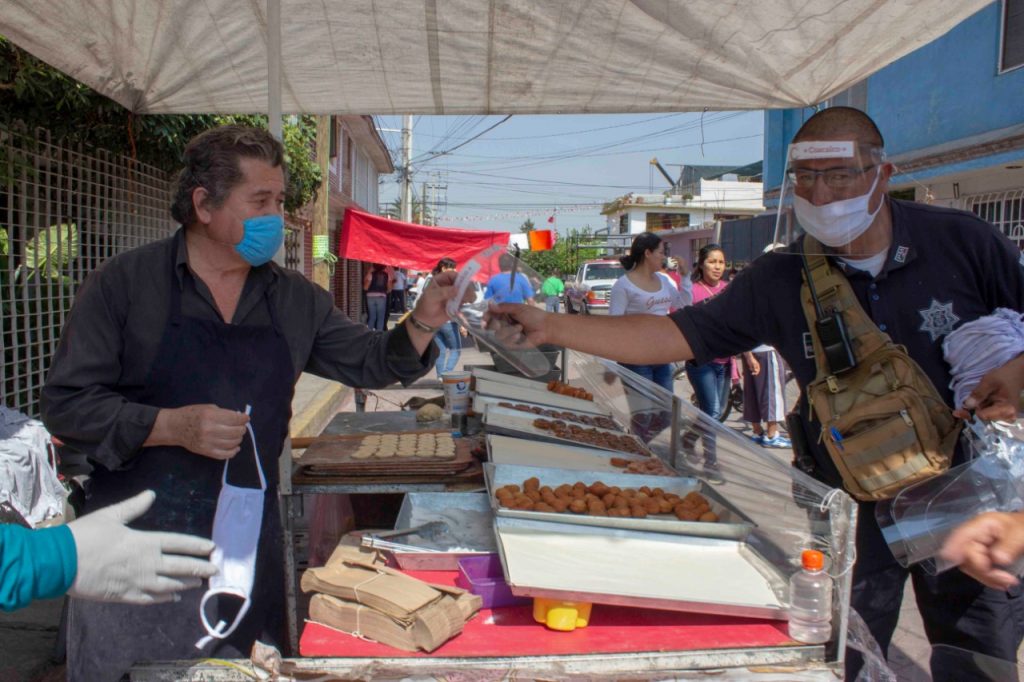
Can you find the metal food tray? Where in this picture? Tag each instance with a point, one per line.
(606, 566)
(735, 526)
(540, 396)
(506, 422)
(481, 403)
(511, 380)
(470, 532)
(529, 452)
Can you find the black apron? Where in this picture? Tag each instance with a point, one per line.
(200, 361)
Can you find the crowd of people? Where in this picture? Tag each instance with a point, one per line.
(176, 369)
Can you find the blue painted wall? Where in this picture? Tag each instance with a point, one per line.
(945, 91)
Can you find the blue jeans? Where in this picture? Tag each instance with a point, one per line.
(552, 303)
(659, 374)
(710, 384)
(450, 344)
(376, 311)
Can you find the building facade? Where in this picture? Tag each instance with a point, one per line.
(358, 157)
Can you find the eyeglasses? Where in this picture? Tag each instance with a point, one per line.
(834, 178)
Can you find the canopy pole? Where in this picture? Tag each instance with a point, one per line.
(274, 85)
(274, 68)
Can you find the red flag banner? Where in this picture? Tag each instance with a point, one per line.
(377, 239)
(551, 219)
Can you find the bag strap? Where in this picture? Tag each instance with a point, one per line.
(826, 286)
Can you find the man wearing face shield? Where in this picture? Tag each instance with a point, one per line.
(917, 271)
(175, 373)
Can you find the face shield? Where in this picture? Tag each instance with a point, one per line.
(830, 191)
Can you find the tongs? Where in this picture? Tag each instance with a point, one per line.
(427, 531)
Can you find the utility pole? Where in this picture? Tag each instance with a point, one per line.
(425, 204)
(407, 168)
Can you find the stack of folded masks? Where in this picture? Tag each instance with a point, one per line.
(358, 594)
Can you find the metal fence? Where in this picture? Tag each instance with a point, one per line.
(63, 211)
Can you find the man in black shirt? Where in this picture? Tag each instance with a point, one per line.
(925, 270)
(180, 357)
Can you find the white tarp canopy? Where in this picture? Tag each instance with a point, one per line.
(475, 56)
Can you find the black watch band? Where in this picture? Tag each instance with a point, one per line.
(422, 326)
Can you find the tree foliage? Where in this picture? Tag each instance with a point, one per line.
(37, 95)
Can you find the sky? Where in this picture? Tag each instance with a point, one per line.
(533, 167)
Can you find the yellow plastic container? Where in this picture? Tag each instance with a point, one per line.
(565, 616)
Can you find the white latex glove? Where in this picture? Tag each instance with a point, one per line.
(118, 564)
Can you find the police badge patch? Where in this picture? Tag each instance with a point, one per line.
(939, 319)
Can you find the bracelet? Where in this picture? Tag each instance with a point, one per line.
(423, 327)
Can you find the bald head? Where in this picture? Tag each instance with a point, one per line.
(840, 123)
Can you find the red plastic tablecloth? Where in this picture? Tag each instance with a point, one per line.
(612, 629)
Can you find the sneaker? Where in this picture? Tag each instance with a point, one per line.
(779, 441)
(757, 438)
(712, 474)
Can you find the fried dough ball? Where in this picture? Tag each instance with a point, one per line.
(559, 505)
(578, 506)
(546, 489)
(507, 502)
(621, 502)
(563, 490)
(638, 513)
(543, 507)
(708, 517)
(525, 504)
(651, 506)
(578, 493)
(693, 496)
(664, 506)
(609, 499)
(685, 513)
(599, 489)
(532, 483)
(533, 495)
(619, 462)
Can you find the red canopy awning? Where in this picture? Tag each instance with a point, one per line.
(376, 239)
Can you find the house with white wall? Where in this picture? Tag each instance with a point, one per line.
(687, 215)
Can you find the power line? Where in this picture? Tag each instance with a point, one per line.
(463, 144)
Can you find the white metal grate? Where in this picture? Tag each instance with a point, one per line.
(63, 211)
(1005, 210)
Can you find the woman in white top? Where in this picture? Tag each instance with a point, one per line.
(643, 289)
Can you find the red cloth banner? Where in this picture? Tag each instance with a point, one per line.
(376, 239)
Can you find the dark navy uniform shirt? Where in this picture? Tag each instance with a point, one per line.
(945, 267)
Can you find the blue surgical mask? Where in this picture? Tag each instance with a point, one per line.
(262, 238)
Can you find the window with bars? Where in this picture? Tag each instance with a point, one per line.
(1005, 210)
(63, 211)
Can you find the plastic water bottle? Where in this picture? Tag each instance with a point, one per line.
(810, 600)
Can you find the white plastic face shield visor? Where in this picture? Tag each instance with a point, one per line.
(830, 191)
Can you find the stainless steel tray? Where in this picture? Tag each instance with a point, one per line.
(481, 403)
(635, 568)
(732, 526)
(530, 452)
(539, 396)
(470, 532)
(506, 422)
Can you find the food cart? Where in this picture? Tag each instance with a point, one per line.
(671, 597)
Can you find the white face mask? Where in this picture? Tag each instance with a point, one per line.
(236, 534)
(840, 222)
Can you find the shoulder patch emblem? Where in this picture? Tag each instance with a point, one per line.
(939, 319)
(901, 254)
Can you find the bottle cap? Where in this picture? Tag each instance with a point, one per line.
(812, 560)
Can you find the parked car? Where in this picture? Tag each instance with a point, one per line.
(590, 292)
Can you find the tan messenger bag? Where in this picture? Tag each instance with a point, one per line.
(882, 421)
